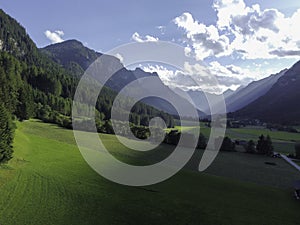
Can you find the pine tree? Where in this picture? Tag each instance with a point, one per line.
(250, 148)
(202, 142)
(227, 145)
(264, 145)
(6, 134)
(269, 146)
(261, 144)
(25, 104)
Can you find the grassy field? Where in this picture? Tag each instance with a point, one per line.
(48, 182)
(283, 142)
(248, 133)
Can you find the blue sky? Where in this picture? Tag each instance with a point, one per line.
(103, 25)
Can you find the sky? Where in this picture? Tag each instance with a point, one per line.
(239, 40)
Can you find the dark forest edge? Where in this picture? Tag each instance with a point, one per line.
(32, 85)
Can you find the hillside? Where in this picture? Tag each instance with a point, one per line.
(200, 99)
(280, 103)
(76, 58)
(15, 40)
(33, 85)
(48, 76)
(251, 92)
(238, 99)
(72, 55)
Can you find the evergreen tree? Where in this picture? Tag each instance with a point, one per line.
(264, 145)
(269, 146)
(202, 142)
(25, 105)
(6, 134)
(227, 145)
(250, 148)
(261, 144)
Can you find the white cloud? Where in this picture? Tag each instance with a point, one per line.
(226, 9)
(138, 38)
(204, 40)
(212, 78)
(194, 77)
(120, 57)
(248, 31)
(231, 75)
(54, 37)
(256, 37)
(171, 78)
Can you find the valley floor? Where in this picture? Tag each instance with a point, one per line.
(48, 182)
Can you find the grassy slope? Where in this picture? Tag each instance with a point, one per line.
(48, 182)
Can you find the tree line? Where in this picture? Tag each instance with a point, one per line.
(32, 85)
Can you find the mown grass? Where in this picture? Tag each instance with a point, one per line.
(48, 182)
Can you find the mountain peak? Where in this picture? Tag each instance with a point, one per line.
(228, 92)
(70, 43)
(278, 104)
(73, 55)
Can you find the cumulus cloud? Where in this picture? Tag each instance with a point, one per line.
(138, 38)
(247, 30)
(54, 37)
(213, 77)
(171, 78)
(231, 75)
(120, 57)
(241, 31)
(204, 40)
(193, 77)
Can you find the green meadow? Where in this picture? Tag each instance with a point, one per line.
(48, 182)
(283, 142)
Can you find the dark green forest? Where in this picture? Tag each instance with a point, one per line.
(33, 85)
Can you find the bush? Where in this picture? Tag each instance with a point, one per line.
(172, 137)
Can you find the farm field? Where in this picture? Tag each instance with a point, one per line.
(283, 142)
(48, 182)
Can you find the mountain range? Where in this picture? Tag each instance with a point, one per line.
(50, 76)
(280, 104)
(234, 100)
(76, 58)
(272, 99)
(244, 96)
(39, 83)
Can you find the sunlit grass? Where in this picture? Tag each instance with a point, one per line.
(48, 182)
